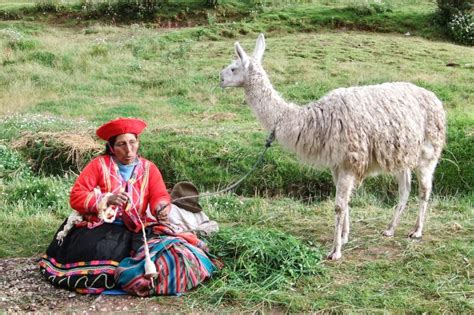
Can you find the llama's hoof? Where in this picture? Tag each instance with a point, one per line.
(388, 233)
(334, 255)
(415, 235)
(345, 240)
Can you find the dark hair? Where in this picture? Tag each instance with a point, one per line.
(110, 143)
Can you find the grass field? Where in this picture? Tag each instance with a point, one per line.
(71, 77)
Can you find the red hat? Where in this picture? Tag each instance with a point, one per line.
(120, 126)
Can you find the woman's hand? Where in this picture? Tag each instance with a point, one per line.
(162, 210)
(117, 199)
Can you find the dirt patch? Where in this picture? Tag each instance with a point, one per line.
(23, 289)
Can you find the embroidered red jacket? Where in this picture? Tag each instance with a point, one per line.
(145, 188)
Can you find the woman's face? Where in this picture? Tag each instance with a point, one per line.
(126, 148)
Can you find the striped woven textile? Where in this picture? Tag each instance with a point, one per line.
(181, 266)
(84, 277)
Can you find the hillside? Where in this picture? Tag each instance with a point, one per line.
(65, 72)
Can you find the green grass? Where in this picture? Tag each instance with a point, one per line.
(63, 78)
(231, 18)
(170, 76)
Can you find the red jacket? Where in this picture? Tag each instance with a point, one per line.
(145, 189)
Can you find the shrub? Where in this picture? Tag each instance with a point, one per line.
(461, 28)
(455, 172)
(448, 8)
(48, 5)
(12, 164)
(212, 3)
(457, 17)
(124, 9)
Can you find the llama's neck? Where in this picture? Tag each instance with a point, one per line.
(296, 127)
(269, 107)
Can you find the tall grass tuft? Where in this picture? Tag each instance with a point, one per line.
(58, 153)
(258, 262)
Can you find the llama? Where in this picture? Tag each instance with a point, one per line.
(357, 132)
(106, 214)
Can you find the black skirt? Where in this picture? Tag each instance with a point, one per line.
(86, 260)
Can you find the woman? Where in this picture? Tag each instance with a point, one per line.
(131, 189)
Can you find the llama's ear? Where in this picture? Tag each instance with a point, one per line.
(241, 54)
(259, 48)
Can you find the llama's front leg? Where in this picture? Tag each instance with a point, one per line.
(404, 186)
(346, 227)
(425, 177)
(345, 184)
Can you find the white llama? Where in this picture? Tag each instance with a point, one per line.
(356, 132)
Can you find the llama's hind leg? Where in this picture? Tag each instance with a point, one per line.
(344, 186)
(404, 187)
(346, 224)
(424, 173)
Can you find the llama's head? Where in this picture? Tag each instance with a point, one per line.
(235, 74)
